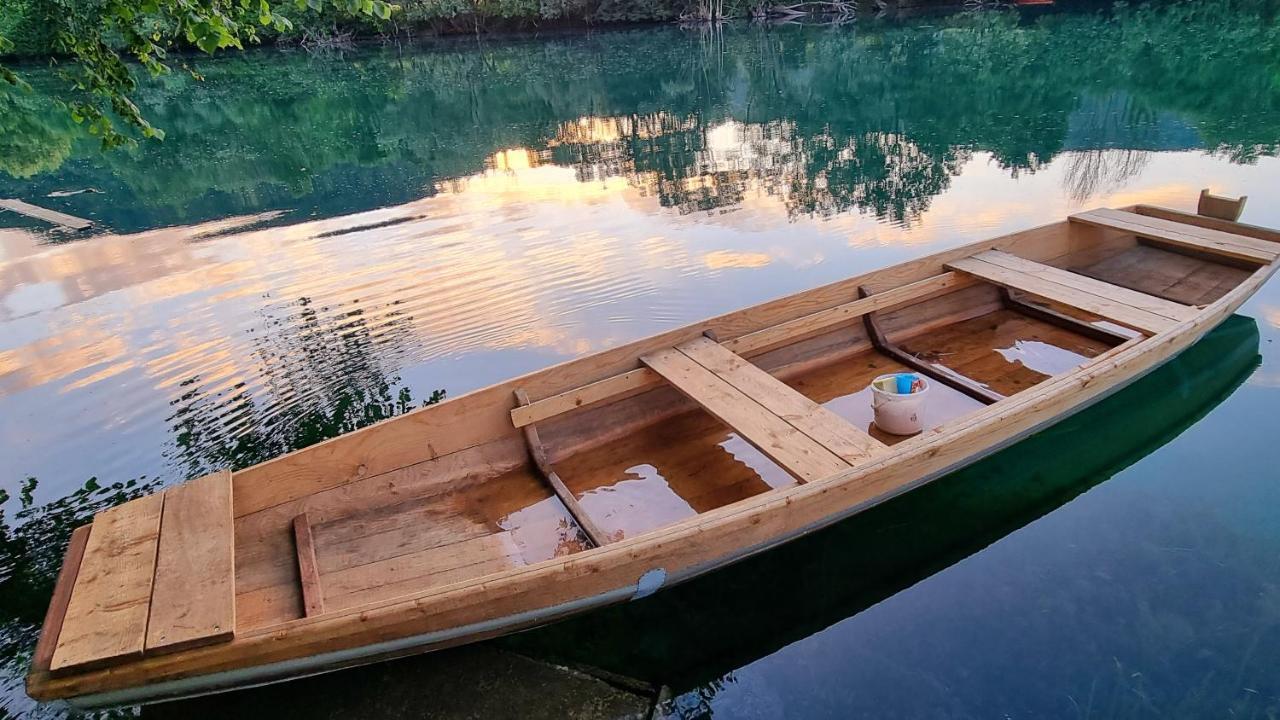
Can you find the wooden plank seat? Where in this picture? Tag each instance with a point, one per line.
(1150, 303)
(808, 441)
(157, 574)
(754, 343)
(194, 599)
(1193, 237)
(1120, 305)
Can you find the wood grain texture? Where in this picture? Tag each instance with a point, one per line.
(881, 342)
(1116, 311)
(413, 572)
(106, 617)
(687, 548)
(1181, 234)
(751, 344)
(1113, 335)
(1007, 351)
(193, 601)
(828, 429)
(1186, 218)
(308, 568)
(1222, 208)
(539, 455)
(824, 320)
(1142, 301)
(796, 452)
(1171, 275)
(57, 611)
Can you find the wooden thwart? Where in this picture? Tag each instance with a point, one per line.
(1080, 327)
(825, 320)
(761, 341)
(45, 214)
(1193, 237)
(1107, 307)
(828, 429)
(106, 618)
(1142, 301)
(797, 453)
(1236, 228)
(538, 453)
(194, 599)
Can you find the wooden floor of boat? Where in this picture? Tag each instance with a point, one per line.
(1181, 278)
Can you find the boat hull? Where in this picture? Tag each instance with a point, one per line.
(634, 567)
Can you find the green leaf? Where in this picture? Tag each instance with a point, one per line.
(207, 43)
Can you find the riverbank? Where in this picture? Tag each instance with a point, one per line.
(25, 22)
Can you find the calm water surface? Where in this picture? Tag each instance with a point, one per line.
(325, 241)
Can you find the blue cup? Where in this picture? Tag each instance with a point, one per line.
(905, 381)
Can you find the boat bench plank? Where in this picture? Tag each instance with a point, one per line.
(796, 452)
(106, 618)
(1185, 235)
(1114, 310)
(194, 599)
(761, 341)
(1141, 300)
(828, 429)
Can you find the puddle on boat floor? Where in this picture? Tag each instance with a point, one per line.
(844, 388)
(667, 472)
(1005, 350)
(658, 475)
(489, 527)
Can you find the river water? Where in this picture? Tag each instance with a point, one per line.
(326, 240)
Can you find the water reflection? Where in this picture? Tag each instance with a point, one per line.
(321, 243)
(879, 120)
(702, 639)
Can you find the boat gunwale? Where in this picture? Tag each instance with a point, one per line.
(1088, 381)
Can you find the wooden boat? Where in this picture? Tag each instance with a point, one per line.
(693, 634)
(610, 477)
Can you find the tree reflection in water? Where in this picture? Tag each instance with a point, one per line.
(876, 119)
(322, 379)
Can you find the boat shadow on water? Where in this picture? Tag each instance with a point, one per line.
(689, 637)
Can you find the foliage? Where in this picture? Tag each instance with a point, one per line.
(98, 35)
(34, 138)
(1017, 63)
(878, 121)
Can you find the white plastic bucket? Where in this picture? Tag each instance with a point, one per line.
(898, 414)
